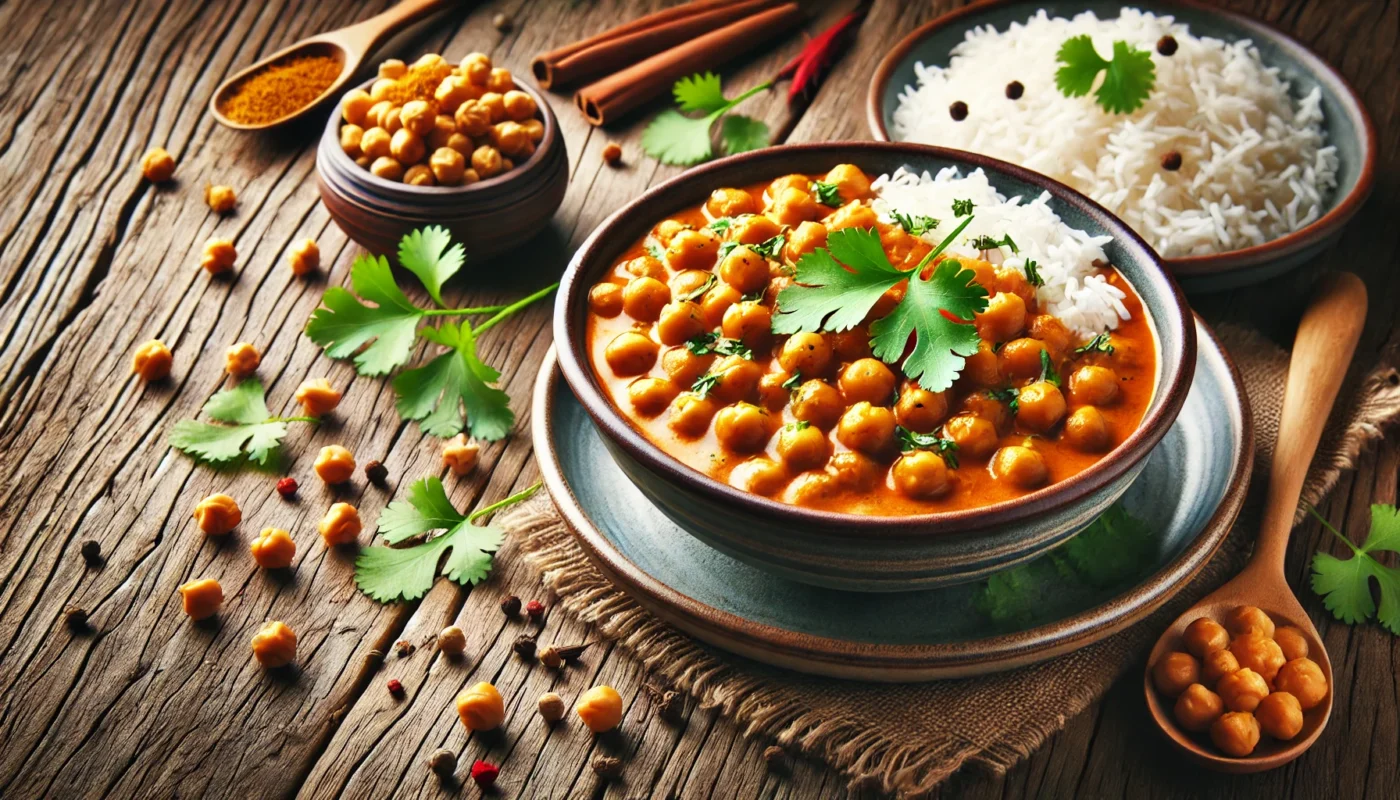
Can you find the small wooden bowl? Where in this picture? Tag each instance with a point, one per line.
(490, 216)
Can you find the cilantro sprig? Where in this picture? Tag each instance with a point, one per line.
(1127, 79)
(1032, 271)
(828, 194)
(985, 242)
(1101, 343)
(712, 343)
(1345, 584)
(388, 573)
(916, 224)
(673, 138)
(913, 440)
(249, 431)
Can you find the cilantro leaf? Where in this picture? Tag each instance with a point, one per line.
(710, 280)
(250, 431)
(927, 313)
(741, 134)
(1047, 369)
(704, 384)
(1010, 396)
(454, 390)
(770, 247)
(793, 382)
(675, 139)
(913, 440)
(1128, 78)
(827, 295)
(654, 250)
(710, 343)
(1032, 271)
(345, 324)
(393, 573)
(430, 254)
(828, 194)
(699, 92)
(918, 224)
(721, 224)
(962, 208)
(1101, 343)
(1344, 584)
(985, 242)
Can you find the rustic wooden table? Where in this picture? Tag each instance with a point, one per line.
(93, 261)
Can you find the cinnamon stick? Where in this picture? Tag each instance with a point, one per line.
(615, 95)
(631, 42)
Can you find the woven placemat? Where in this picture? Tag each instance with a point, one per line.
(865, 730)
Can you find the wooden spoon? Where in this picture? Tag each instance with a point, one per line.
(348, 45)
(1322, 351)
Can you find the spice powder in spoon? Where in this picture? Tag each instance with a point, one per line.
(280, 89)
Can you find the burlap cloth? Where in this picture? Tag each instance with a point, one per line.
(866, 730)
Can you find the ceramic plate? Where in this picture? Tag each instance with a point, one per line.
(1348, 125)
(1191, 490)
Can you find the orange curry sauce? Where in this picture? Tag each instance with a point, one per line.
(650, 383)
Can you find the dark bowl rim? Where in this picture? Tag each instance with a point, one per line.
(330, 146)
(1176, 378)
(1002, 649)
(1215, 263)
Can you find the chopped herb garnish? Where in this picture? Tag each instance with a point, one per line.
(710, 280)
(1099, 344)
(1127, 81)
(721, 224)
(1047, 369)
(770, 248)
(797, 425)
(917, 224)
(1009, 395)
(792, 383)
(704, 384)
(828, 194)
(985, 242)
(913, 440)
(1032, 271)
(711, 343)
(702, 345)
(654, 250)
(962, 208)
(726, 248)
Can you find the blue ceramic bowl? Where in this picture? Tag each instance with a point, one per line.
(847, 550)
(1348, 125)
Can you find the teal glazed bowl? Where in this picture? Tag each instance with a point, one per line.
(1347, 123)
(859, 552)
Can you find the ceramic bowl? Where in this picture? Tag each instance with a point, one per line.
(847, 550)
(1348, 125)
(490, 216)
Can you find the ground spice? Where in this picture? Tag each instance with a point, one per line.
(280, 89)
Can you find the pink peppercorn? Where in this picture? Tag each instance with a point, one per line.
(535, 609)
(485, 773)
(395, 688)
(287, 487)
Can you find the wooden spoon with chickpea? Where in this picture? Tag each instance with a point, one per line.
(1241, 682)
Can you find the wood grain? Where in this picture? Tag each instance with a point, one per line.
(93, 261)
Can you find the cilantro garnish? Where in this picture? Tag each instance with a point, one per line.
(1047, 369)
(673, 138)
(917, 224)
(654, 250)
(1010, 396)
(771, 247)
(913, 440)
(792, 383)
(710, 280)
(720, 224)
(1128, 78)
(454, 389)
(985, 242)
(251, 431)
(1098, 344)
(705, 384)
(344, 324)
(1345, 584)
(1032, 271)
(711, 343)
(828, 194)
(407, 573)
(430, 254)
(797, 425)
(962, 208)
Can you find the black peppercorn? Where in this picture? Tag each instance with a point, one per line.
(376, 472)
(1171, 162)
(524, 647)
(1014, 90)
(76, 619)
(958, 111)
(1166, 45)
(511, 605)
(92, 553)
(443, 762)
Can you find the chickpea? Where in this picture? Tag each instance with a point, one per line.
(1291, 642)
(1052, 333)
(407, 147)
(730, 203)
(605, 300)
(850, 180)
(1041, 407)
(691, 249)
(817, 402)
(717, 302)
(648, 267)
(754, 230)
(201, 598)
(690, 283)
(737, 379)
(793, 206)
(355, 105)
(742, 427)
(305, 257)
(1020, 466)
(443, 128)
(806, 353)
(472, 118)
(650, 396)
(643, 299)
(1280, 715)
(392, 68)
(375, 143)
(1004, 318)
(387, 168)
(600, 708)
(1198, 708)
(500, 80)
(340, 526)
(487, 161)
(1095, 386)
(1236, 733)
(666, 230)
(378, 115)
(1204, 636)
(1012, 280)
(511, 139)
(691, 414)
(867, 380)
(274, 549)
(220, 199)
(157, 166)
(481, 707)
(920, 410)
(453, 91)
(1243, 619)
(241, 360)
(1259, 653)
(535, 130)
(683, 366)
(678, 322)
(495, 106)
(275, 645)
(1087, 430)
(759, 475)
(851, 215)
(811, 489)
(460, 454)
(382, 88)
(476, 67)
(152, 361)
(795, 180)
(219, 255)
(433, 64)
(1020, 359)
(217, 514)
(391, 121)
(1217, 664)
(1242, 689)
(448, 166)
(1302, 678)
(452, 640)
(854, 471)
(983, 368)
(921, 475)
(805, 238)
(470, 176)
(519, 105)
(772, 394)
(975, 437)
(419, 175)
(334, 464)
(317, 397)
(750, 322)
(1174, 672)
(803, 446)
(744, 269)
(419, 117)
(867, 428)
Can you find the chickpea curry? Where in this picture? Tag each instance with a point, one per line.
(687, 336)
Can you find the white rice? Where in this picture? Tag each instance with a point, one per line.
(1064, 256)
(1255, 165)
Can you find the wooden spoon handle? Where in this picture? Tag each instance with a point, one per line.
(365, 36)
(1322, 351)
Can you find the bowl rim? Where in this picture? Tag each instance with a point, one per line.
(1213, 263)
(1173, 386)
(340, 160)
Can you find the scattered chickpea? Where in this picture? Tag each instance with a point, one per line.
(219, 255)
(501, 22)
(304, 257)
(481, 707)
(274, 549)
(334, 464)
(612, 154)
(448, 166)
(600, 708)
(202, 598)
(220, 198)
(552, 707)
(217, 514)
(275, 645)
(317, 397)
(460, 454)
(157, 165)
(152, 361)
(340, 526)
(452, 640)
(242, 360)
